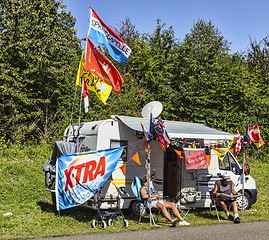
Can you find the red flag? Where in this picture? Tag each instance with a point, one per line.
(257, 140)
(100, 66)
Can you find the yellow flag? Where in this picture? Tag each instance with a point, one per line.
(98, 86)
(221, 152)
(80, 70)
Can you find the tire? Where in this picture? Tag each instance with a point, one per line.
(137, 208)
(103, 224)
(94, 223)
(125, 223)
(110, 222)
(247, 202)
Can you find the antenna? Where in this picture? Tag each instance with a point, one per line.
(155, 108)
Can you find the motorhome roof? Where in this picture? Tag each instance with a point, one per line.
(177, 129)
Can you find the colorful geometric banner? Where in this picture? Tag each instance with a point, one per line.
(195, 158)
(79, 176)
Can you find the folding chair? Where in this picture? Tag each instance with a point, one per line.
(142, 205)
(214, 204)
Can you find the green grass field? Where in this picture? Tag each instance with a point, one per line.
(23, 193)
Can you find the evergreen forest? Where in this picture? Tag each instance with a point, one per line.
(197, 79)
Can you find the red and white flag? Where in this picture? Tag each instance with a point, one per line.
(100, 66)
(238, 142)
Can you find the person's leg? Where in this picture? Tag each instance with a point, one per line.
(235, 208)
(173, 206)
(223, 206)
(164, 211)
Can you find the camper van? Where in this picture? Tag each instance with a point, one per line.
(191, 187)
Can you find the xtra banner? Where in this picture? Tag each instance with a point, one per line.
(195, 158)
(80, 175)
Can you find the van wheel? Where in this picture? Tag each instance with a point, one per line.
(244, 202)
(137, 208)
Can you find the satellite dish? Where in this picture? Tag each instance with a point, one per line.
(155, 108)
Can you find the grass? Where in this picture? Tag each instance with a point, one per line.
(22, 192)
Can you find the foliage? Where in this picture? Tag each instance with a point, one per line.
(38, 49)
(197, 80)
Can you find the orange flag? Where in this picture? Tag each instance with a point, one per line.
(208, 159)
(136, 158)
(123, 169)
(178, 153)
(97, 63)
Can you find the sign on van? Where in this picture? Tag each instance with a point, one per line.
(195, 158)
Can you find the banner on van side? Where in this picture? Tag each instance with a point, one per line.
(195, 158)
(80, 175)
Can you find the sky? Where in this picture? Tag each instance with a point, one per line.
(237, 20)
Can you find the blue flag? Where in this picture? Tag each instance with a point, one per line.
(104, 35)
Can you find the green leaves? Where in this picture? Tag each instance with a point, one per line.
(40, 50)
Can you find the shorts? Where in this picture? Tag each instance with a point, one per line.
(154, 201)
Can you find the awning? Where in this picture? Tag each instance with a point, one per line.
(177, 129)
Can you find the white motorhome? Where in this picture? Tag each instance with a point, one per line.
(191, 187)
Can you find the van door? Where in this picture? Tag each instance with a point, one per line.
(171, 176)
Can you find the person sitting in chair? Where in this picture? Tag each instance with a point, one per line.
(157, 201)
(226, 186)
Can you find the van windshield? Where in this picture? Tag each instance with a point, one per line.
(229, 163)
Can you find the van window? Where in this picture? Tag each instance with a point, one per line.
(225, 163)
(120, 143)
(229, 163)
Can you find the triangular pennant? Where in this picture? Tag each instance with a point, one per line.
(221, 152)
(123, 169)
(110, 178)
(178, 153)
(136, 158)
(163, 147)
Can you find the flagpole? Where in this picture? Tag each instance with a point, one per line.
(148, 180)
(243, 177)
(81, 94)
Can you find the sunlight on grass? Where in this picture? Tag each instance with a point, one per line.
(22, 192)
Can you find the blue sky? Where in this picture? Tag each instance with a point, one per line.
(237, 20)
